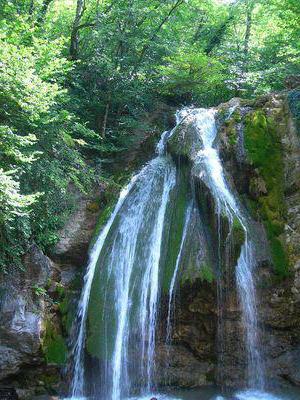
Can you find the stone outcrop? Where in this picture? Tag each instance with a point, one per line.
(21, 314)
(37, 306)
(260, 150)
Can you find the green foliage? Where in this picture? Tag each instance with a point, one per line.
(39, 291)
(42, 146)
(185, 77)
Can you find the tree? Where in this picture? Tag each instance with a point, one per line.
(74, 47)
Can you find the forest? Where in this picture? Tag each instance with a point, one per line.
(78, 77)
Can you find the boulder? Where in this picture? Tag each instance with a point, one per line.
(22, 312)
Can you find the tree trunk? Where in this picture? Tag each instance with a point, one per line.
(43, 12)
(106, 116)
(249, 11)
(74, 46)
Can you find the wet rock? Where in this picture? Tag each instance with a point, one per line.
(75, 237)
(285, 368)
(177, 366)
(278, 305)
(25, 394)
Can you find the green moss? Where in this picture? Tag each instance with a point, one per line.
(264, 150)
(232, 132)
(104, 216)
(236, 115)
(94, 343)
(237, 232)
(50, 380)
(231, 128)
(206, 273)
(54, 346)
(179, 202)
(279, 256)
(60, 290)
(102, 297)
(67, 308)
(111, 196)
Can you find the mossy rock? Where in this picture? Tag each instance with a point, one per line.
(104, 216)
(230, 131)
(94, 206)
(179, 203)
(185, 141)
(54, 346)
(207, 273)
(238, 238)
(264, 151)
(67, 307)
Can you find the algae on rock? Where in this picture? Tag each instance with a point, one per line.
(264, 150)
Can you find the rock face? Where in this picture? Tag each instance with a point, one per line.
(37, 307)
(189, 360)
(24, 310)
(21, 315)
(260, 150)
(75, 237)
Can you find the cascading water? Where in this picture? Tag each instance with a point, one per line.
(211, 172)
(124, 272)
(127, 255)
(80, 331)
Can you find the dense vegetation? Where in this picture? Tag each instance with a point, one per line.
(78, 76)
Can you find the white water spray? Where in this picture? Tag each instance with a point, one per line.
(213, 175)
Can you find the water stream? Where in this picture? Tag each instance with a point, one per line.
(211, 171)
(129, 268)
(124, 269)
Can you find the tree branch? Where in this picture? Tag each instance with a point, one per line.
(43, 12)
(155, 33)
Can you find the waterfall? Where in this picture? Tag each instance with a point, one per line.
(124, 271)
(127, 255)
(211, 172)
(80, 331)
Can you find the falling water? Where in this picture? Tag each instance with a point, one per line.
(213, 175)
(124, 272)
(175, 273)
(80, 334)
(127, 252)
